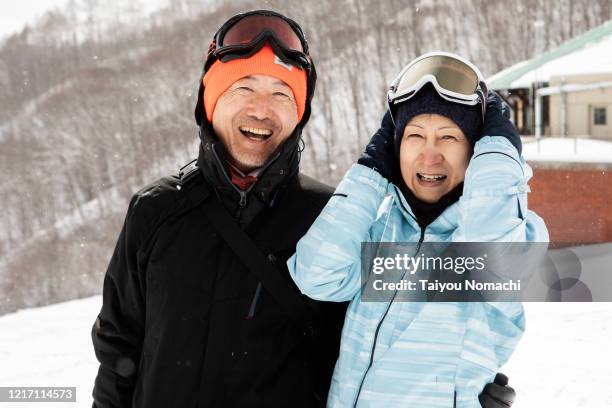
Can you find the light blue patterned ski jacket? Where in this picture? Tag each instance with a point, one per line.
(418, 354)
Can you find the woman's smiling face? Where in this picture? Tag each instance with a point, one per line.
(434, 155)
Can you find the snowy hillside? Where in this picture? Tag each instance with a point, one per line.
(563, 360)
(97, 98)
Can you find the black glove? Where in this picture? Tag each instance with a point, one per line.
(497, 121)
(379, 154)
(497, 394)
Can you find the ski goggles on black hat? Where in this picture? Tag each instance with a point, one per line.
(244, 34)
(454, 78)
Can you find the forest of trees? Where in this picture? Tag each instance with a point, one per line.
(97, 101)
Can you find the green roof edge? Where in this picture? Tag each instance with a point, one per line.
(594, 35)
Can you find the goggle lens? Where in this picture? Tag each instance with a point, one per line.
(450, 73)
(245, 30)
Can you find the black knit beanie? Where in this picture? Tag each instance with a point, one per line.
(427, 100)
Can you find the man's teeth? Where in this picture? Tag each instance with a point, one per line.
(431, 177)
(256, 131)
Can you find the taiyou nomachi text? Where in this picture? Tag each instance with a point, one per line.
(437, 286)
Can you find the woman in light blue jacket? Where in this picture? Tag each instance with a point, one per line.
(438, 170)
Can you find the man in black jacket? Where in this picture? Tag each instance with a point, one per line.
(189, 320)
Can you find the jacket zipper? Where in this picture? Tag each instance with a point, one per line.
(422, 237)
(227, 178)
(243, 194)
(242, 204)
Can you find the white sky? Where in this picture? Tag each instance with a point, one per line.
(15, 14)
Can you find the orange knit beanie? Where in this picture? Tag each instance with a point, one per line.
(222, 75)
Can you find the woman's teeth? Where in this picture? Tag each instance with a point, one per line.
(431, 177)
(255, 132)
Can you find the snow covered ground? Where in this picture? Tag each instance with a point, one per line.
(567, 149)
(50, 346)
(563, 361)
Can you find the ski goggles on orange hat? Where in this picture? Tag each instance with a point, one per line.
(454, 78)
(244, 34)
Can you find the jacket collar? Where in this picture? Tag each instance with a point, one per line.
(280, 168)
(443, 225)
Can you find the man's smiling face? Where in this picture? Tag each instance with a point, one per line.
(253, 117)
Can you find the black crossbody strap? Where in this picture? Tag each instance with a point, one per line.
(251, 256)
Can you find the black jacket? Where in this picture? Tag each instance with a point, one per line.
(185, 324)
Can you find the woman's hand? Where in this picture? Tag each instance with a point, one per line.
(497, 121)
(379, 154)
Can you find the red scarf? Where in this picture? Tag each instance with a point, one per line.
(240, 180)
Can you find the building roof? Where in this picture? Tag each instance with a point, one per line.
(588, 53)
